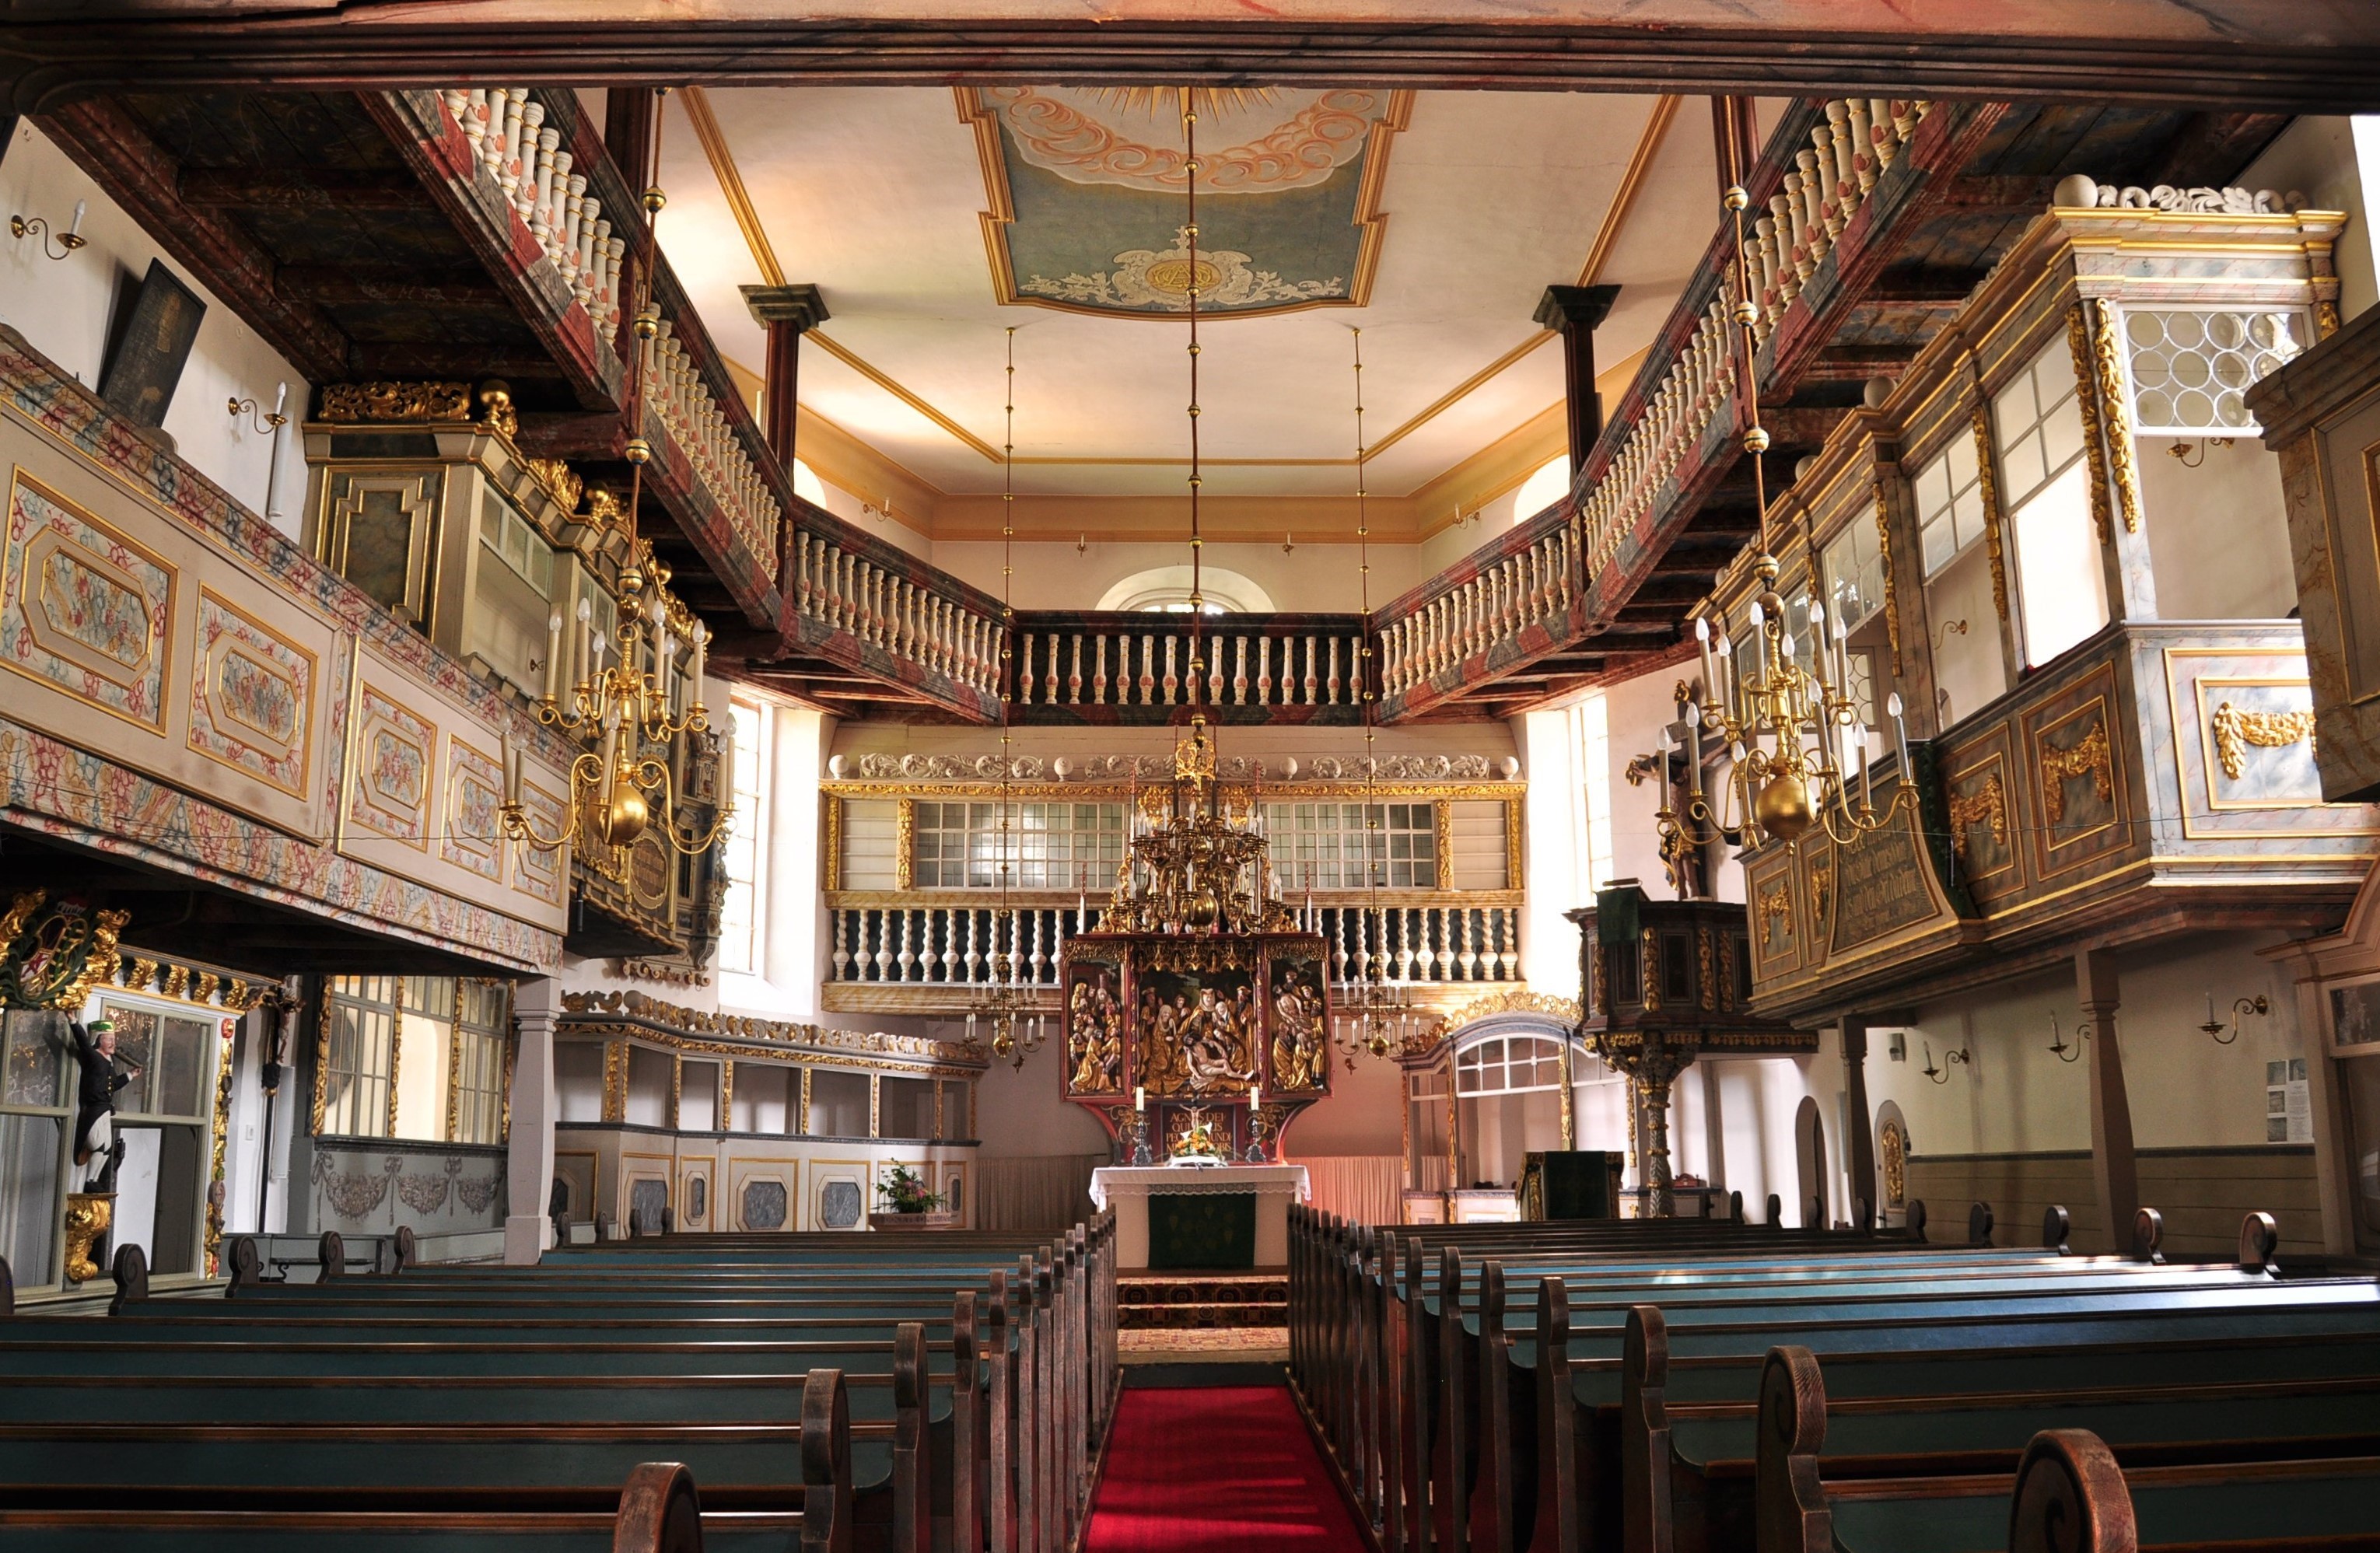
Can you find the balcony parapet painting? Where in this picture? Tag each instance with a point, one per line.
(187, 689)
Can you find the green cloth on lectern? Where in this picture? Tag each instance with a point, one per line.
(1202, 1230)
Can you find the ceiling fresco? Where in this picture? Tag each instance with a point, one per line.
(1086, 193)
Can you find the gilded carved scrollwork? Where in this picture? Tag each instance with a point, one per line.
(1884, 552)
(2089, 756)
(1777, 909)
(1986, 806)
(395, 401)
(2107, 345)
(2235, 728)
(2086, 401)
(1987, 488)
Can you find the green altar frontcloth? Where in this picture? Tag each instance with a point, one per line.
(1203, 1231)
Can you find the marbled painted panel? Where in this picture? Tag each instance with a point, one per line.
(390, 788)
(253, 696)
(84, 606)
(472, 837)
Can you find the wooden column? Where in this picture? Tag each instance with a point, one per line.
(1859, 1148)
(1576, 312)
(630, 115)
(787, 312)
(2114, 1170)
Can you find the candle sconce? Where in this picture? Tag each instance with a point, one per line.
(69, 241)
(2058, 1043)
(265, 422)
(1942, 1074)
(2224, 1034)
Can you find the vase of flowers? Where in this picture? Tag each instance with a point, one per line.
(910, 1204)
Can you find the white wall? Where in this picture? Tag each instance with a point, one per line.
(2335, 163)
(2219, 536)
(1314, 578)
(66, 309)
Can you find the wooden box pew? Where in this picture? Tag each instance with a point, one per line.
(1344, 1336)
(2067, 1490)
(1481, 1410)
(524, 1471)
(1686, 1468)
(659, 1512)
(473, 1456)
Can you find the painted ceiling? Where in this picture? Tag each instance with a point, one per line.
(1087, 197)
(924, 214)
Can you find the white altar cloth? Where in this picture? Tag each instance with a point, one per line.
(1129, 1187)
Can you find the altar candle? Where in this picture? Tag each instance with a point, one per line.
(1256, 1097)
(1139, 1099)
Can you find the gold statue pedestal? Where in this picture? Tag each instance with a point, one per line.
(88, 1214)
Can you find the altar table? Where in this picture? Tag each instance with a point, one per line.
(1269, 1189)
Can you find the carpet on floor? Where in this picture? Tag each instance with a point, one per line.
(1215, 1469)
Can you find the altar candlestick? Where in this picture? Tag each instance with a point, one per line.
(1139, 1099)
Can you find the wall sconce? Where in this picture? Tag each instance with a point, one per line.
(2057, 1047)
(68, 240)
(1287, 545)
(1950, 629)
(1081, 543)
(265, 424)
(1942, 1074)
(2179, 452)
(2259, 1005)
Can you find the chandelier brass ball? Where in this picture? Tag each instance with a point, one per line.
(625, 817)
(1783, 808)
(1202, 909)
(1735, 199)
(1746, 314)
(1755, 440)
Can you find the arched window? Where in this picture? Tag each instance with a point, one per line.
(1542, 490)
(1166, 590)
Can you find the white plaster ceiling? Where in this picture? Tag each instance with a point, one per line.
(876, 196)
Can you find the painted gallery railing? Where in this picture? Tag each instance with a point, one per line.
(950, 945)
(875, 608)
(1134, 667)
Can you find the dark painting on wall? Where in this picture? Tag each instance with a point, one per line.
(155, 346)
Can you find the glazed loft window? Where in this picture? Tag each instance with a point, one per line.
(1323, 846)
(36, 1126)
(740, 923)
(1049, 846)
(482, 1034)
(1855, 571)
(358, 1048)
(1950, 504)
(512, 596)
(2046, 493)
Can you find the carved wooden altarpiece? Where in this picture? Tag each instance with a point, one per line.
(1198, 1023)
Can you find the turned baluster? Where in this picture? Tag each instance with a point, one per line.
(1075, 672)
(903, 955)
(1025, 669)
(1172, 680)
(1099, 669)
(904, 606)
(1862, 141)
(1850, 146)
(1240, 671)
(842, 938)
(537, 190)
(1145, 682)
(521, 119)
(1264, 671)
(1215, 673)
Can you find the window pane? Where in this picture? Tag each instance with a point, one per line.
(30, 1147)
(37, 1043)
(2057, 566)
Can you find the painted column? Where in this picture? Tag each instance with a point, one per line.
(535, 1105)
(1576, 312)
(787, 312)
(2114, 1170)
(1859, 1148)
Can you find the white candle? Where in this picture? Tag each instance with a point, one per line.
(1661, 759)
(1899, 732)
(76, 229)
(1256, 1097)
(701, 655)
(1703, 646)
(512, 770)
(553, 655)
(1725, 694)
(1694, 748)
(1760, 639)
(1139, 1098)
(280, 398)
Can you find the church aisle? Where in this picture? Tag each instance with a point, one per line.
(1205, 1469)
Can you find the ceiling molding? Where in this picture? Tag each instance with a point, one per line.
(983, 121)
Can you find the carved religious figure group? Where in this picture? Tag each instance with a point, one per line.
(1199, 1039)
(1095, 1035)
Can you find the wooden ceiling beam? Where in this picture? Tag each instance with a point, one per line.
(296, 189)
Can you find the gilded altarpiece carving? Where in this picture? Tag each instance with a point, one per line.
(1198, 1023)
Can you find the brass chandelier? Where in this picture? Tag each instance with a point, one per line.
(620, 694)
(1794, 732)
(1375, 1017)
(1006, 1005)
(1199, 867)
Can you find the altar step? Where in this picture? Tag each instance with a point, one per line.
(1180, 1301)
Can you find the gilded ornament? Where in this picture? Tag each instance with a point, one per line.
(2089, 756)
(1892, 1149)
(1705, 965)
(396, 401)
(2106, 343)
(1776, 907)
(496, 410)
(2086, 400)
(604, 508)
(88, 1214)
(1650, 962)
(54, 953)
(1986, 806)
(560, 481)
(219, 1139)
(1884, 553)
(1987, 488)
(1822, 891)
(2235, 729)
(615, 1081)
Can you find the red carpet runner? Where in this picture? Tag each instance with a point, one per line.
(1215, 1470)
